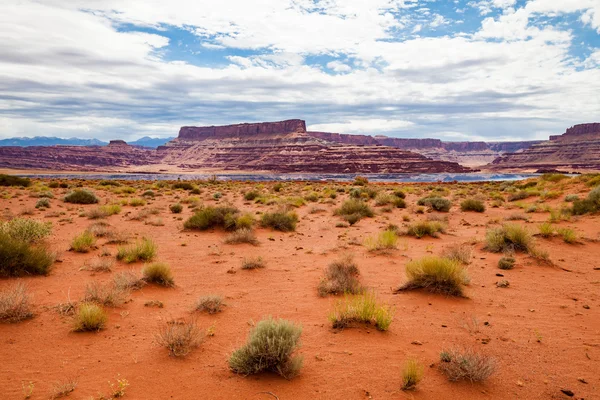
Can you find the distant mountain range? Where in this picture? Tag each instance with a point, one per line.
(146, 141)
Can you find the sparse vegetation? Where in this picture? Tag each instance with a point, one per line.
(362, 308)
(284, 221)
(213, 217)
(81, 196)
(270, 347)
(341, 277)
(508, 238)
(179, 337)
(19, 258)
(176, 208)
(159, 273)
(472, 205)
(106, 294)
(426, 228)
(466, 365)
(459, 252)
(412, 374)
(436, 275)
(26, 229)
(10, 180)
(436, 203)
(385, 241)
(354, 210)
(253, 263)
(83, 243)
(15, 304)
(210, 304)
(143, 250)
(243, 235)
(89, 317)
(506, 262)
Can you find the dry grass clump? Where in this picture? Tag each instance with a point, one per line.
(89, 317)
(98, 265)
(472, 205)
(459, 252)
(412, 374)
(159, 273)
(10, 180)
(104, 211)
(144, 213)
(362, 308)
(436, 275)
(466, 364)
(353, 210)
(436, 203)
(282, 220)
(179, 337)
(269, 348)
(546, 230)
(63, 389)
(83, 243)
(506, 263)
(385, 241)
(176, 208)
(19, 258)
(128, 280)
(81, 196)
(100, 229)
(517, 217)
(253, 263)
(568, 235)
(211, 304)
(142, 250)
(243, 235)
(508, 238)
(426, 228)
(106, 294)
(14, 304)
(341, 277)
(26, 229)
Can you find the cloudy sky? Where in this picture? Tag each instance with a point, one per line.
(456, 70)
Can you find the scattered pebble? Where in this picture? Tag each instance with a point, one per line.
(417, 342)
(503, 284)
(586, 306)
(568, 392)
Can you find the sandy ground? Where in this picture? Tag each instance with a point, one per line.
(538, 330)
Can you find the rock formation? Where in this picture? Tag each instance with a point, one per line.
(577, 149)
(285, 146)
(470, 154)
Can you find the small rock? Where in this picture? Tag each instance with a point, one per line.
(503, 283)
(520, 383)
(586, 306)
(500, 275)
(568, 392)
(417, 342)
(531, 310)
(582, 380)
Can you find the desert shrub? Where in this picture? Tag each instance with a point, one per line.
(412, 373)
(546, 230)
(400, 194)
(516, 217)
(467, 364)
(426, 228)
(520, 195)
(277, 187)
(128, 280)
(109, 183)
(581, 207)
(553, 177)
(341, 277)
(25, 229)
(436, 275)
(19, 258)
(149, 193)
(142, 250)
(362, 308)
(383, 199)
(253, 263)
(312, 197)
(183, 185)
(568, 235)
(269, 348)
(571, 198)
(472, 205)
(63, 389)
(386, 240)
(399, 202)
(353, 210)
(159, 273)
(506, 263)
(244, 221)
(211, 304)
(83, 242)
(81, 196)
(42, 203)
(176, 208)
(106, 294)
(243, 235)
(212, 217)
(179, 337)
(360, 181)
(89, 317)
(436, 203)
(508, 237)
(104, 211)
(15, 304)
(10, 180)
(459, 252)
(284, 221)
(98, 265)
(137, 202)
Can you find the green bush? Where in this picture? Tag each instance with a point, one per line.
(363, 308)
(436, 203)
(269, 348)
(10, 180)
(89, 317)
(81, 196)
(83, 242)
(176, 208)
(159, 273)
(553, 177)
(386, 240)
(25, 229)
(42, 203)
(436, 275)
(212, 217)
(19, 258)
(412, 373)
(546, 230)
(506, 263)
(143, 250)
(520, 195)
(426, 228)
(183, 185)
(354, 210)
(109, 183)
(280, 221)
(472, 205)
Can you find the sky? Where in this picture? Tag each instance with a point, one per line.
(456, 70)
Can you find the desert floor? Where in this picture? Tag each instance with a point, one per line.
(543, 330)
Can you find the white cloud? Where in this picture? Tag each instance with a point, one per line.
(364, 126)
(339, 66)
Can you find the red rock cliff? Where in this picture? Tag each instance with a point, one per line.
(241, 130)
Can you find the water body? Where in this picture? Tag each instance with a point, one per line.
(444, 177)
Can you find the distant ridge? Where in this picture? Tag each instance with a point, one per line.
(145, 141)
